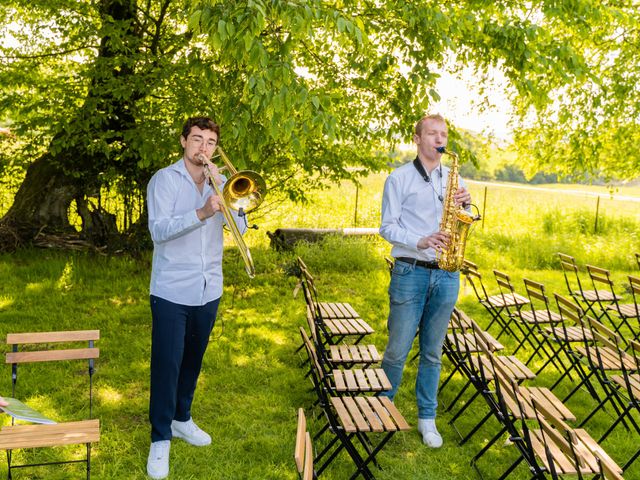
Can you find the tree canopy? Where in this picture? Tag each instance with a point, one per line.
(96, 91)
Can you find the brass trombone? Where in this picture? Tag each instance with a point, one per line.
(243, 192)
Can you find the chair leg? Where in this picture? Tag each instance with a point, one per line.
(631, 460)
(9, 465)
(488, 445)
(511, 468)
(88, 461)
(455, 400)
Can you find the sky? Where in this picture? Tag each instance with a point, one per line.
(458, 103)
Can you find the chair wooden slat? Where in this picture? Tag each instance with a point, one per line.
(356, 414)
(52, 355)
(299, 451)
(395, 414)
(35, 436)
(52, 337)
(343, 415)
(372, 418)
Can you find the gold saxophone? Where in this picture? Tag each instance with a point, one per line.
(456, 222)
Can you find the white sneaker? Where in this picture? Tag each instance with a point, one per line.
(430, 436)
(158, 461)
(190, 433)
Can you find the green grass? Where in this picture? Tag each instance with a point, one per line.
(252, 382)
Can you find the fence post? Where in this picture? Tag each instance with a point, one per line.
(595, 226)
(355, 212)
(484, 206)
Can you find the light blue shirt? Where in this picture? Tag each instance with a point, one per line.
(187, 253)
(411, 209)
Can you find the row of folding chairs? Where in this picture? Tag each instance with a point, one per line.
(603, 301)
(525, 317)
(346, 382)
(584, 351)
(553, 449)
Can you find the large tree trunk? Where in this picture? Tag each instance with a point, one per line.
(40, 210)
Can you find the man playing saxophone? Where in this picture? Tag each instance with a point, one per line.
(185, 222)
(421, 295)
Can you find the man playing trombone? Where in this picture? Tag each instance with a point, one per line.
(185, 222)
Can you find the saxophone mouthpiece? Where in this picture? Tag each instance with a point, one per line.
(441, 149)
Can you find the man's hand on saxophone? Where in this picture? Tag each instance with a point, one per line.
(437, 241)
(462, 197)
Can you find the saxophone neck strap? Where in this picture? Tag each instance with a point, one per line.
(423, 173)
(418, 164)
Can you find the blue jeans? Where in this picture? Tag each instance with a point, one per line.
(422, 299)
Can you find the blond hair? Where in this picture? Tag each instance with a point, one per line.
(433, 116)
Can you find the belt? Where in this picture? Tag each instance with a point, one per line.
(432, 264)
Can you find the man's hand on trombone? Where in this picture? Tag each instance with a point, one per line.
(210, 207)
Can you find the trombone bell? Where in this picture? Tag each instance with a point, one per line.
(244, 190)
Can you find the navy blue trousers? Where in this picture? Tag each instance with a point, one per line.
(179, 338)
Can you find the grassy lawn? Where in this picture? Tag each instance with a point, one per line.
(252, 382)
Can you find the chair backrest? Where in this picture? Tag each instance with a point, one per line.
(569, 311)
(507, 291)
(317, 373)
(634, 283)
(606, 342)
(40, 347)
(557, 435)
(475, 279)
(303, 453)
(537, 297)
(570, 272)
(468, 265)
(601, 278)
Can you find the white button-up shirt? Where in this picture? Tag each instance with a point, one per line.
(411, 209)
(187, 253)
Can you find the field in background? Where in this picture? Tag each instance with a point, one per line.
(543, 221)
(252, 381)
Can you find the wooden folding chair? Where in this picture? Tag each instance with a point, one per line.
(628, 394)
(536, 318)
(512, 311)
(493, 369)
(342, 355)
(625, 312)
(605, 357)
(565, 451)
(572, 279)
(336, 320)
(494, 304)
(569, 336)
(85, 432)
(345, 381)
(352, 418)
(303, 453)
